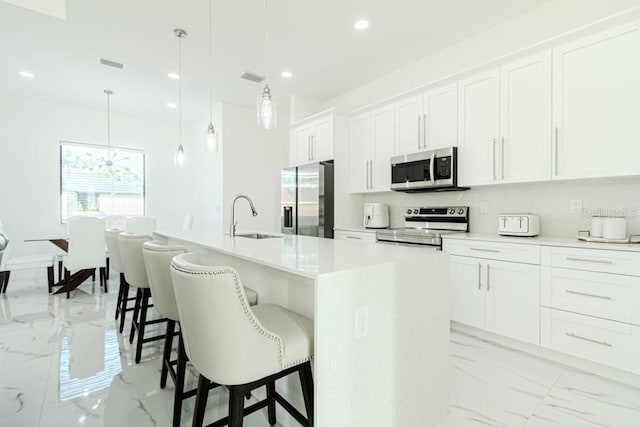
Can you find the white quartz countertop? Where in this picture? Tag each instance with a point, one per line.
(301, 255)
(544, 241)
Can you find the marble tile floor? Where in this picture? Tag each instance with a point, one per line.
(63, 363)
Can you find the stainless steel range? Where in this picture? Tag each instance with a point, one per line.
(426, 226)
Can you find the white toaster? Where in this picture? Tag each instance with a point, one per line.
(518, 224)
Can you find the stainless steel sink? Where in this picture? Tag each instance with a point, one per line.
(258, 236)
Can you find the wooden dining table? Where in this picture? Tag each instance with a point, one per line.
(77, 278)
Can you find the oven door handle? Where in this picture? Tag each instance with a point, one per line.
(432, 177)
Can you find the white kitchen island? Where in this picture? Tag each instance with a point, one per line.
(381, 316)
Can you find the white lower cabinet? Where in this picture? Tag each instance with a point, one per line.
(364, 235)
(501, 297)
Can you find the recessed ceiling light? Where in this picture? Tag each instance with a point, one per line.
(361, 24)
(173, 76)
(26, 74)
(286, 74)
(171, 105)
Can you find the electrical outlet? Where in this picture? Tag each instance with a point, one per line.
(484, 207)
(362, 322)
(575, 207)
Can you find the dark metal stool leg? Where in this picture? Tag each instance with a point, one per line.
(146, 293)
(166, 354)
(201, 401)
(271, 398)
(136, 310)
(306, 381)
(125, 299)
(236, 405)
(181, 371)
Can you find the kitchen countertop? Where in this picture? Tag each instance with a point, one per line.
(544, 241)
(358, 229)
(301, 255)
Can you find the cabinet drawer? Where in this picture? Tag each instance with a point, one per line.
(603, 341)
(604, 261)
(529, 254)
(609, 296)
(354, 235)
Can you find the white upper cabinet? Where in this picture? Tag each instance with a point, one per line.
(427, 121)
(596, 111)
(371, 147)
(478, 128)
(505, 123)
(314, 137)
(409, 115)
(525, 120)
(440, 120)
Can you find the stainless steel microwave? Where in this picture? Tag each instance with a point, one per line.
(434, 170)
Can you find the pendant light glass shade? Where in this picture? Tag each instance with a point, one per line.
(267, 111)
(109, 162)
(212, 138)
(179, 158)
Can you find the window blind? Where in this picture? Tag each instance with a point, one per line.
(91, 186)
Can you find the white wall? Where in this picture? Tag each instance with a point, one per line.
(536, 28)
(30, 132)
(253, 158)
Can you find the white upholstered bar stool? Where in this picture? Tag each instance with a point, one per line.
(135, 274)
(111, 238)
(242, 347)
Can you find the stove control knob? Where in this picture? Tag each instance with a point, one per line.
(415, 211)
(460, 211)
(452, 211)
(409, 211)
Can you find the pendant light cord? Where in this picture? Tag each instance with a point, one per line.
(210, 61)
(266, 39)
(108, 125)
(180, 86)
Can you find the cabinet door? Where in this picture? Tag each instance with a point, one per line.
(478, 128)
(322, 140)
(409, 115)
(441, 118)
(383, 132)
(525, 120)
(513, 300)
(359, 150)
(467, 291)
(596, 105)
(302, 139)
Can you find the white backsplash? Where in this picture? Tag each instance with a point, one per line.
(550, 200)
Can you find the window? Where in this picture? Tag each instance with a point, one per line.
(90, 186)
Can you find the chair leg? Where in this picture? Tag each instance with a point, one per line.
(146, 293)
(50, 278)
(67, 278)
(119, 299)
(5, 283)
(103, 276)
(236, 405)
(271, 398)
(181, 371)
(59, 271)
(201, 401)
(136, 310)
(93, 276)
(2, 275)
(306, 381)
(166, 354)
(125, 300)
(108, 267)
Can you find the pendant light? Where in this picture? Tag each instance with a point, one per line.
(180, 34)
(211, 134)
(109, 163)
(266, 103)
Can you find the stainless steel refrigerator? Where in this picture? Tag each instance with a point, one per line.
(306, 206)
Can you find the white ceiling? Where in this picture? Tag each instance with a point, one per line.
(313, 39)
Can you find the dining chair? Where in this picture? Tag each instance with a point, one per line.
(9, 263)
(135, 274)
(86, 247)
(242, 347)
(141, 225)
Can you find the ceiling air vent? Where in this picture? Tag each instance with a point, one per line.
(110, 63)
(248, 75)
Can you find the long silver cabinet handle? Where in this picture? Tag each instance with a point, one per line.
(368, 176)
(494, 159)
(597, 261)
(569, 291)
(488, 282)
(479, 276)
(371, 169)
(556, 151)
(604, 343)
(502, 158)
(419, 120)
(354, 237)
(424, 130)
(309, 148)
(495, 251)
